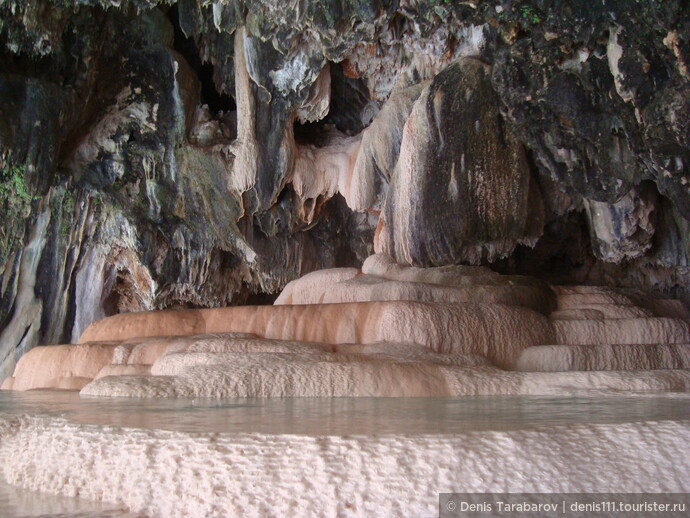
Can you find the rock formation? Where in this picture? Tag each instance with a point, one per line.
(161, 154)
(128, 468)
(462, 176)
(343, 199)
(387, 330)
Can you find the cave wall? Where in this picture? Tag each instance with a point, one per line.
(158, 154)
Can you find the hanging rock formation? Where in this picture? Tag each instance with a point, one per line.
(462, 189)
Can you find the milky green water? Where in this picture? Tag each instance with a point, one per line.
(318, 416)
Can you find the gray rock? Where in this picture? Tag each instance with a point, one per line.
(462, 189)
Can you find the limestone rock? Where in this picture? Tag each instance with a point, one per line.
(600, 312)
(122, 370)
(311, 286)
(669, 308)
(583, 300)
(578, 457)
(147, 350)
(622, 331)
(379, 150)
(134, 325)
(467, 284)
(495, 331)
(309, 378)
(315, 107)
(625, 228)
(462, 189)
(21, 331)
(320, 172)
(561, 358)
(603, 105)
(383, 265)
(253, 367)
(61, 366)
(404, 331)
(412, 352)
(198, 155)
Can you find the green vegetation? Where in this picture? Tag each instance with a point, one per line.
(14, 194)
(15, 200)
(531, 14)
(67, 212)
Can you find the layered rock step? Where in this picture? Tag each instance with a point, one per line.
(166, 473)
(381, 279)
(563, 358)
(384, 330)
(496, 331)
(268, 375)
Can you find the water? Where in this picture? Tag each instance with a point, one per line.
(20, 503)
(317, 416)
(348, 416)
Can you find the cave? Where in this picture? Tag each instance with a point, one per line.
(406, 255)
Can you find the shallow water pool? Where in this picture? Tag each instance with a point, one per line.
(349, 416)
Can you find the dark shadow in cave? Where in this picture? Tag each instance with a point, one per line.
(349, 97)
(123, 296)
(215, 100)
(563, 248)
(246, 298)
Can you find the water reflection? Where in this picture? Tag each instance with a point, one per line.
(21, 503)
(349, 416)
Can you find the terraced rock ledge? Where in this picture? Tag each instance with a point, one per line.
(384, 330)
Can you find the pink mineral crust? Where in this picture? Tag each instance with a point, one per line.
(497, 331)
(387, 330)
(61, 366)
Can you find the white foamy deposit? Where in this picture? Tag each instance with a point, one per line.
(170, 474)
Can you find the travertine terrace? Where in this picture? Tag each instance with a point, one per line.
(387, 330)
